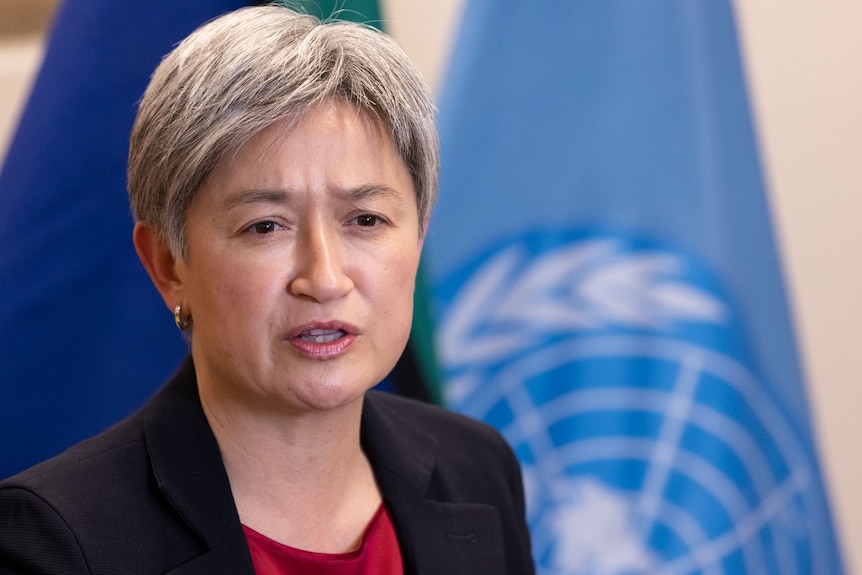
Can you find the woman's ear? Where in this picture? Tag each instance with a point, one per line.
(157, 259)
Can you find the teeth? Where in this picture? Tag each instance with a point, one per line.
(322, 335)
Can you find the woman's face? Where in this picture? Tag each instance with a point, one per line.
(302, 256)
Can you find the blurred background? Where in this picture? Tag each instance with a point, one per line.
(804, 71)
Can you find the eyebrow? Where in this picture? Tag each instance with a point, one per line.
(366, 191)
(262, 196)
(283, 195)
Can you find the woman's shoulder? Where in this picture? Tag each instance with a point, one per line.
(80, 468)
(48, 510)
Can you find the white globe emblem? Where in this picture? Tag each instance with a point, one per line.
(647, 446)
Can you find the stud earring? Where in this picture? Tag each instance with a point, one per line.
(183, 323)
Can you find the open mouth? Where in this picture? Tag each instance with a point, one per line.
(322, 335)
(323, 340)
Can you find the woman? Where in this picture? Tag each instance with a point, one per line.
(282, 174)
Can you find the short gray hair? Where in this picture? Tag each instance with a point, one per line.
(248, 69)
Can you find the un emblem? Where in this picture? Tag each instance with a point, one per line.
(618, 371)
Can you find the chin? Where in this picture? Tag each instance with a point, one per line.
(329, 396)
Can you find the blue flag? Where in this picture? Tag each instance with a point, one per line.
(608, 292)
(84, 337)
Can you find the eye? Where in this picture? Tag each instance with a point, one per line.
(367, 220)
(265, 227)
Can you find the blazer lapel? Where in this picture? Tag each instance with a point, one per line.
(447, 538)
(444, 538)
(189, 471)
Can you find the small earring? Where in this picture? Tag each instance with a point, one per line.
(182, 322)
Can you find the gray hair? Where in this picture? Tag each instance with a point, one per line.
(248, 69)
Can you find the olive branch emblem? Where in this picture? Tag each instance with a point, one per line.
(591, 285)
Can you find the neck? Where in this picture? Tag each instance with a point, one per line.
(286, 448)
(300, 478)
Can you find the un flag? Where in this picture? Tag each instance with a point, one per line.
(608, 295)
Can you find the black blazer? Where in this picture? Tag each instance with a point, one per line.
(151, 495)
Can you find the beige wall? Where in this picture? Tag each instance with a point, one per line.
(804, 63)
(805, 70)
(21, 26)
(19, 57)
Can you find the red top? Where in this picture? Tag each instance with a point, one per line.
(378, 554)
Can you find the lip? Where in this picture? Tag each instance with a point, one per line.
(323, 339)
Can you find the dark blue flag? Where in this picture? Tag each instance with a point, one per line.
(608, 291)
(84, 337)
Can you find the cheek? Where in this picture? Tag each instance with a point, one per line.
(386, 282)
(400, 283)
(401, 266)
(227, 288)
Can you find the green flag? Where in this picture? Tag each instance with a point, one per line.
(362, 11)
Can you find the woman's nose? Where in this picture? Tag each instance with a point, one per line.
(320, 272)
